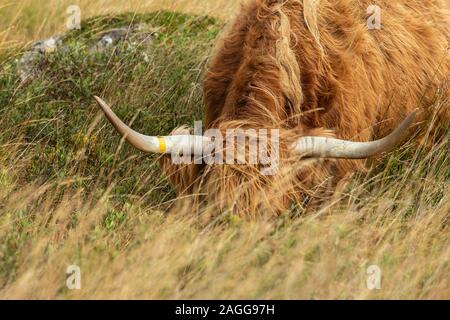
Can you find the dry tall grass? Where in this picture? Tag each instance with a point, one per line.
(396, 216)
(152, 254)
(28, 20)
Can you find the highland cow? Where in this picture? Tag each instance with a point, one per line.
(315, 71)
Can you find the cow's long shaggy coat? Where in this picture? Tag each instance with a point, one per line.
(315, 68)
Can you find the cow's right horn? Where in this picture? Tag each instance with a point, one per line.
(167, 144)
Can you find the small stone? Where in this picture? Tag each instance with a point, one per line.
(50, 45)
(30, 64)
(47, 45)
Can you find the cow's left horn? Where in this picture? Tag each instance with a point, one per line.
(167, 144)
(323, 147)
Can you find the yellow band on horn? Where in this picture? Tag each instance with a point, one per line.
(162, 145)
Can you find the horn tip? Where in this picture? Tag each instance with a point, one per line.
(410, 119)
(103, 105)
(98, 99)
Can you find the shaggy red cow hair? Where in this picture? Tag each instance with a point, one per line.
(314, 68)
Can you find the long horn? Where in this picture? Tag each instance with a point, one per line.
(322, 147)
(167, 144)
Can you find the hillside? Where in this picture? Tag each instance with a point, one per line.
(72, 193)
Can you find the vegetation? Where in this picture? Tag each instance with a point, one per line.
(72, 193)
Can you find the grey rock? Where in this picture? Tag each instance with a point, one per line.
(31, 62)
(134, 35)
(49, 45)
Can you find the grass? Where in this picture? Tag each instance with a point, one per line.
(27, 20)
(72, 193)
